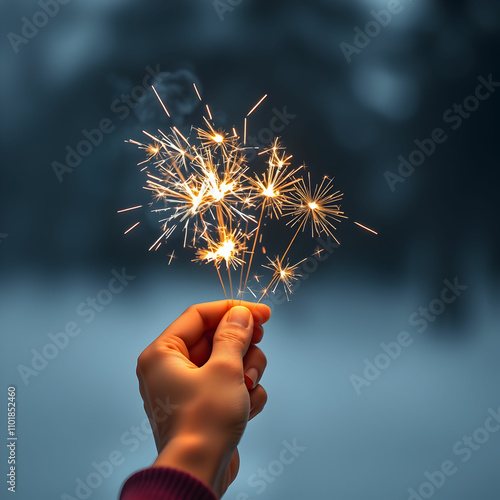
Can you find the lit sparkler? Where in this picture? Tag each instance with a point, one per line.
(203, 186)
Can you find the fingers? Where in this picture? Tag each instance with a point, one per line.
(254, 364)
(200, 352)
(258, 334)
(197, 319)
(258, 399)
(233, 335)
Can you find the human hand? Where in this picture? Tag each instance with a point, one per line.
(205, 363)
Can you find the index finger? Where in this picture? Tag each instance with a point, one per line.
(197, 319)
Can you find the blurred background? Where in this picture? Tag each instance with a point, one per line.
(357, 86)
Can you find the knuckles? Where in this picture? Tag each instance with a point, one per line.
(148, 358)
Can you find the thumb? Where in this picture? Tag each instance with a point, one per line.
(233, 335)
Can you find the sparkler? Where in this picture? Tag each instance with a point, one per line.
(203, 186)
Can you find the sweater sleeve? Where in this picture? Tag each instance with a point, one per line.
(165, 483)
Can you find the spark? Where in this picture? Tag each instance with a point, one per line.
(161, 102)
(256, 106)
(209, 112)
(132, 227)
(171, 257)
(318, 251)
(226, 248)
(201, 185)
(284, 274)
(319, 205)
(276, 183)
(127, 209)
(367, 228)
(153, 151)
(196, 90)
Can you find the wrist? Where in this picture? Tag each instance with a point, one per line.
(203, 457)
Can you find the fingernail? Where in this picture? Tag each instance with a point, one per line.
(239, 315)
(251, 377)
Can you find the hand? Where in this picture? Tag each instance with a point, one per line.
(205, 365)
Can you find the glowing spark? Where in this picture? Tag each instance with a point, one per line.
(284, 274)
(318, 251)
(176, 130)
(130, 228)
(127, 209)
(367, 228)
(165, 235)
(196, 90)
(227, 249)
(152, 150)
(161, 102)
(171, 257)
(201, 186)
(320, 206)
(208, 111)
(276, 183)
(256, 106)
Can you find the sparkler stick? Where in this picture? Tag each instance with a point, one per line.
(254, 243)
(302, 224)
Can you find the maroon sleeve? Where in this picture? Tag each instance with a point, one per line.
(164, 483)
